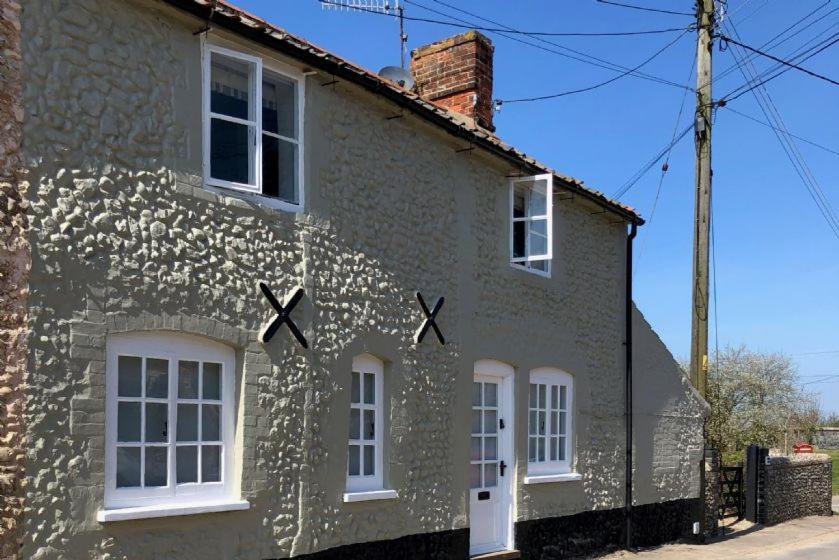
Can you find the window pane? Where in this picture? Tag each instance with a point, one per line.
(279, 168)
(562, 397)
(541, 449)
(539, 265)
(355, 423)
(490, 421)
(474, 476)
(490, 394)
(369, 388)
(553, 449)
(476, 394)
(369, 426)
(230, 86)
(212, 381)
(538, 202)
(279, 109)
(538, 245)
(128, 467)
(541, 423)
(490, 448)
(562, 449)
(128, 421)
(156, 466)
(490, 470)
(355, 392)
(187, 422)
(533, 391)
(230, 151)
(157, 378)
(129, 376)
(554, 400)
(562, 423)
(157, 419)
(476, 422)
(519, 201)
(531, 449)
(210, 422)
(354, 465)
(187, 463)
(369, 462)
(542, 396)
(533, 424)
(553, 423)
(210, 463)
(475, 449)
(519, 234)
(187, 380)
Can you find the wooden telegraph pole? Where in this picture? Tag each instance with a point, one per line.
(702, 222)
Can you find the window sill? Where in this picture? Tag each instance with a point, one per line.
(169, 510)
(370, 495)
(545, 478)
(252, 197)
(536, 271)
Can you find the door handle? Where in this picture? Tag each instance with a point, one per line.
(502, 467)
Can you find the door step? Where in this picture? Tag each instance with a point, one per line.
(500, 555)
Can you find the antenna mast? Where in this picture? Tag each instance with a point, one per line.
(390, 7)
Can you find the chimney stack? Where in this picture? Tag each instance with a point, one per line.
(456, 74)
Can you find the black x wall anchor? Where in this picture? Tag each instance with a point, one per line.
(283, 315)
(430, 320)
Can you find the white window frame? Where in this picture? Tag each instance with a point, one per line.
(525, 262)
(276, 67)
(367, 363)
(172, 347)
(549, 377)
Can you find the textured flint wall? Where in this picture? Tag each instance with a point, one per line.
(827, 438)
(797, 486)
(712, 491)
(14, 272)
(125, 238)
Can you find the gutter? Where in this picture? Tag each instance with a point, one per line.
(628, 389)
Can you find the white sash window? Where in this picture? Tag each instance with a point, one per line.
(531, 223)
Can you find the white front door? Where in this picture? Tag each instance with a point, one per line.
(490, 465)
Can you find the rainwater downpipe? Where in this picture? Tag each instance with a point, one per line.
(628, 389)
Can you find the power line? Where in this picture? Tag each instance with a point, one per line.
(600, 84)
(776, 59)
(644, 8)
(766, 124)
(498, 29)
(650, 164)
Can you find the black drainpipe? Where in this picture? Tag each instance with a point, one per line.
(628, 390)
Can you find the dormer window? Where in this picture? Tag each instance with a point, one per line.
(531, 223)
(252, 126)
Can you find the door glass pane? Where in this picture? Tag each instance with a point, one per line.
(128, 421)
(553, 423)
(210, 422)
(354, 461)
(533, 391)
(476, 394)
(230, 151)
(128, 467)
(542, 396)
(279, 168)
(475, 476)
(489, 474)
(212, 381)
(355, 391)
(187, 380)
(476, 422)
(490, 421)
(531, 449)
(554, 400)
(187, 422)
(562, 389)
(157, 378)
(369, 388)
(490, 394)
(210, 463)
(369, 426)
(157, 419)
(553, 449)
(230, 81)
(129, 376)
(541, 449)
(187, 463)
(533, 424)
(541, 422)
(475, 449)
(490, 448)
(562, 423)
(279, 109)
(355, 423)
(156, 466)
(369, 463)
(562, 449)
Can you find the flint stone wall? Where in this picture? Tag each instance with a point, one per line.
(826, 438)
(797, 486)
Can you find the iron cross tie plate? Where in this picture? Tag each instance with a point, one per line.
(283, 315)
(430, 320)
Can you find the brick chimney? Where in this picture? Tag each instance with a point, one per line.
(456, 73)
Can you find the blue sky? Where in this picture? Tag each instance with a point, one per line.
(777, 268)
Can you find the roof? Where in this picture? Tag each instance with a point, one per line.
(224, 15)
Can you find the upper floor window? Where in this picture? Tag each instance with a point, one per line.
(169, 420)
(365, 454)
(252, 121)
(549, 421)
(531, 223)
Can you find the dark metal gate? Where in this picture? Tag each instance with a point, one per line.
(732, 500)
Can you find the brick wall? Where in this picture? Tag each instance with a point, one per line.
(797, 486)
(456, 73)
(14, 270)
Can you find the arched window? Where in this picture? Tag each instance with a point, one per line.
(169, 420)
(550, 422)
(365, 456)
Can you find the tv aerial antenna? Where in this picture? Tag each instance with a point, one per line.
(390, 7)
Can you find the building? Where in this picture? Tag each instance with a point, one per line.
(214, 344)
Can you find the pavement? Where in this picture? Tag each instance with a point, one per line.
(811, 538)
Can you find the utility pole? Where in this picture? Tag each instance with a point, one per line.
(702, 221)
